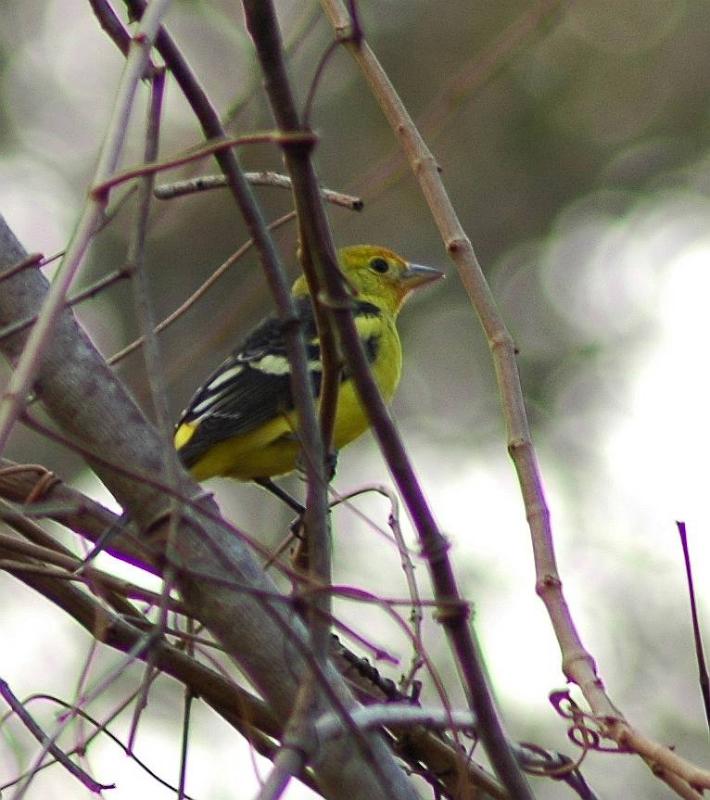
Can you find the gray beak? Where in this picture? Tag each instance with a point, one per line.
(418, 275)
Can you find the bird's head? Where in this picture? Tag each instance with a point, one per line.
(379, 276)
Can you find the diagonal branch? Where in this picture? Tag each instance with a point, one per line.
(31, 725)
(455, 619)
(221, 583)
(29, 363)
(309, 432)
(577, 663)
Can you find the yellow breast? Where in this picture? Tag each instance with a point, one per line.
(273, 448)
(351, 419)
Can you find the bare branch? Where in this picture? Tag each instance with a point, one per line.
(221, 583)
(200, 291)
(28, 365)
(266, 178)
(56, 752)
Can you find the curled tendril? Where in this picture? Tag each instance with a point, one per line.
(558, 767)
(586, 730)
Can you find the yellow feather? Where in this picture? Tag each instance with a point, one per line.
(377, 276)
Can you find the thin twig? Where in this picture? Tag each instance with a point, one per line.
(434, 546)
(210, 149)
(416, 616)
(168, 191)
(185, 741)
(112, 25)
(200, 291)
(29, 363)
(316, 249)
(136, 260)
(153, 363)
(85, 294)
(320, 71)
(697, 636)
(56, 752)
(99, 728)
(31, 260)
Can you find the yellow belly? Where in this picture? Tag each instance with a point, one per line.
(273, 448)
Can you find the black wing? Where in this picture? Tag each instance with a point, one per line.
(253, 385)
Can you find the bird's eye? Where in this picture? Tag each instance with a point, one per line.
(379, 265)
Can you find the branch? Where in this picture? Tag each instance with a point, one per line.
(41, 737)
(433, 544)
(309, 433)
(317, 247)
(221, 583)
(29, 363)
(204, 183)
(440, 758)
(577, 663)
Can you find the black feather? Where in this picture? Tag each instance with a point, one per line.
(252, 397)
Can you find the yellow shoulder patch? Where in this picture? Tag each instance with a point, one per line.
(183, 434)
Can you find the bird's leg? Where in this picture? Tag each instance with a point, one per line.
(282, 494)
(295, 527)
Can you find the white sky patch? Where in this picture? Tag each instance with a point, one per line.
(38, 205)
(657, 451)
(482, 514)
(645, 468)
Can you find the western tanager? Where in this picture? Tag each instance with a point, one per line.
(241, 423)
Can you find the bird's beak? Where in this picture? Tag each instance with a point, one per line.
(417, 275)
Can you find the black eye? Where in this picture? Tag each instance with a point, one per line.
(379, 265)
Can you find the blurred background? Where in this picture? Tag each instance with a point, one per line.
(573, 138)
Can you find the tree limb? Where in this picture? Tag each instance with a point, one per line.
(221, 583)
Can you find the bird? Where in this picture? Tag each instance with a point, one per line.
(241, 422)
